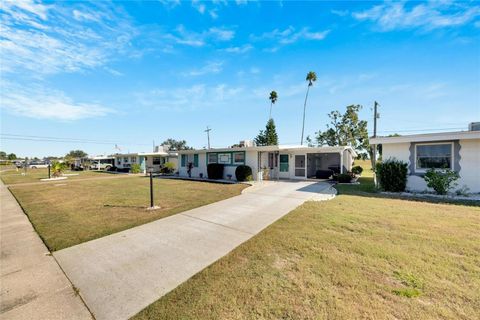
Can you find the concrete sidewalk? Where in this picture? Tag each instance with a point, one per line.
(32, 285)
(121, 274)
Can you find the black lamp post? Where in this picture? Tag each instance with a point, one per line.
(151, 187)
(49, 170)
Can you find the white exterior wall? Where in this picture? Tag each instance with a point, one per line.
(469, 164)
(251, 160)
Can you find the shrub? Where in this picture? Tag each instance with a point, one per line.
(441, 180)
(392, 175)
(57, 168)
(135, 168)
(215, 171)
(243, 173)
(357, 170)
(344, 178)
(168, 167)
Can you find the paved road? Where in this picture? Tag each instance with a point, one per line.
(32, 285)
(121, 274)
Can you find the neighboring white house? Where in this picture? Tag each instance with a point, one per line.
(147, 160)
(458, 151)
(283, 162)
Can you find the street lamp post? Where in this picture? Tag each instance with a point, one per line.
(152, 205)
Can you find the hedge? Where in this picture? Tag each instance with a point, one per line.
(243, 173)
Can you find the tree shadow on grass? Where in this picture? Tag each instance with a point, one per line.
(366, 188)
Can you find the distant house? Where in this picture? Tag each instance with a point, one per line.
(282, 162)
(154, 160)
(458, 151)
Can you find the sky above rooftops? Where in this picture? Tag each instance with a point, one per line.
(92, 75)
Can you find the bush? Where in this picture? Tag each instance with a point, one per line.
(243, 173)
(215, 171)
(392, 175)
(441, 180)
(168, 167)
(135, 168)
(344, 178)
(357, 170)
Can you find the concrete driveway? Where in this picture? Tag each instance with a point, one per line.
(121, 274)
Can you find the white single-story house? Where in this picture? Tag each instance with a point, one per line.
(458, 151)
(154, 160)
(282, 162)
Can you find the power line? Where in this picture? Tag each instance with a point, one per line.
(63, 140)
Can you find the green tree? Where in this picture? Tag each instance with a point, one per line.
(176, 144)
(273, 98)
(311, 78)
(12, 156)
(3, 155)
(76, 154)
(346, 130)
(269, 136)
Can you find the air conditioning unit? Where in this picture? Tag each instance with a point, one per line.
(474, 126)
(247, 143)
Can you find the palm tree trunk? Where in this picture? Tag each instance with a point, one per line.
(271, 104)
(304, 108)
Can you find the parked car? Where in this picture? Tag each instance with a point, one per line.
(99, 165)
(37, 164)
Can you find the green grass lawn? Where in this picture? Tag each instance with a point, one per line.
(34, 175)
(349, 258)
(68, 213)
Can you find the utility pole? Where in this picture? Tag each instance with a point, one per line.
(375, 117)
(208, 136)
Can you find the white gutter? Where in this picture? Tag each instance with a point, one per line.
(439, 136)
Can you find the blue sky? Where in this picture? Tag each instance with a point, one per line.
(127, 73)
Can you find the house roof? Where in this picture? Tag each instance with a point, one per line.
(427, 137)
(275, 148)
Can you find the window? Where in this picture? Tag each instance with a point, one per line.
(119, 161)
(184, 160)
(133, 159)
(225, 158)
(156, 161)
(284, 163)
(439, 155)
(238, 157)
(212, 158)
(125, 159)
(195, 160)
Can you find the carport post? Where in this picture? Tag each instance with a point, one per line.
(49, 171)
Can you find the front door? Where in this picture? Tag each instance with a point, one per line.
(284, 168)
(300, 166)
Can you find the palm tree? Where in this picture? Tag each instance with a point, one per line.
(311, 78)
(273, 98)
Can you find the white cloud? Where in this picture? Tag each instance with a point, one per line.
(199, 39)
(209, 68)
(242, 49)
(222, 33)
(428, 16)
(35, 101)
(340, 13)
(289, 35)
(188, 98)
(60, 40)
(199, 6)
